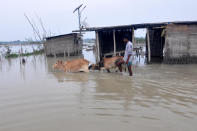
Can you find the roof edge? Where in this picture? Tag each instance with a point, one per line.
(143, 25)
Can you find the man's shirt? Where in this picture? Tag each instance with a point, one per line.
(128, 51)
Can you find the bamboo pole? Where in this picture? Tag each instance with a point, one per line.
(35, 29)
(149, 50)
(97, 47)
(114, 37)
(42, 25)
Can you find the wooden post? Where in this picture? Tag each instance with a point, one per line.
(21, 54)
(149, 50)
(133, 37)
(97, 47)
(114, 37)
(68, 53)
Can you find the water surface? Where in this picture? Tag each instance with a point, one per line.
(34, 97)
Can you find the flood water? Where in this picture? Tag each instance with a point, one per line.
(34, 97)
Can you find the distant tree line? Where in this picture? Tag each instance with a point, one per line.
(18, 42)
(140, 40)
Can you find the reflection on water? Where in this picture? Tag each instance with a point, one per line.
(35, 97)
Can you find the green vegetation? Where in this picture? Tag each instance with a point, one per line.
(12, 56)
(37, 52)
(140, 40)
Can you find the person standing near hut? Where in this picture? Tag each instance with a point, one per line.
(127, 56)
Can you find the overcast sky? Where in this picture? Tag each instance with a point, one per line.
(58, 18)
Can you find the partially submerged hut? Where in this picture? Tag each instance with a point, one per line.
(181, 43)
(171, 42)
(63, 45)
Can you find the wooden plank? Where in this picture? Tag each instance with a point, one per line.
(162, 27)
(149, 51)
(114, 37)
(112, 53)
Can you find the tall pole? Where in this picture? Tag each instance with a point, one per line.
(79, 17)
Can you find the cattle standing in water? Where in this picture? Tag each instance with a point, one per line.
(107, 63)
(79, 65)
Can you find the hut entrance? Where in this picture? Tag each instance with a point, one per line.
(140, 44)
(111, 42)
(156, 39)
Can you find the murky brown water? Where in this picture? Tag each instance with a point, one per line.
(34, 97)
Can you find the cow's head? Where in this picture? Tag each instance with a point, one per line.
(59, 65)
(96, 66)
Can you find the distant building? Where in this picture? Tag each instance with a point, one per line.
(63, 45)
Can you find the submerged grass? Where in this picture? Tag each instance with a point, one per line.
(24, 54)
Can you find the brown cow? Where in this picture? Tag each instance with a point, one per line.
(59, 65)
(106, 63)
(79, 65)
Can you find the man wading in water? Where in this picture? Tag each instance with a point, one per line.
(127, 56)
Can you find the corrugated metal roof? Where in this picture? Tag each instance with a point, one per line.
(135, 26)
(58, 36)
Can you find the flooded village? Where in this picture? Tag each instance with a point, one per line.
(69, 81)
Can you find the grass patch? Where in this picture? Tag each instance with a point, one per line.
(11, 56)
(25, 54)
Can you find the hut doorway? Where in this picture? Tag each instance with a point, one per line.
(139, 43)
(111, 42)
(155, 40)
